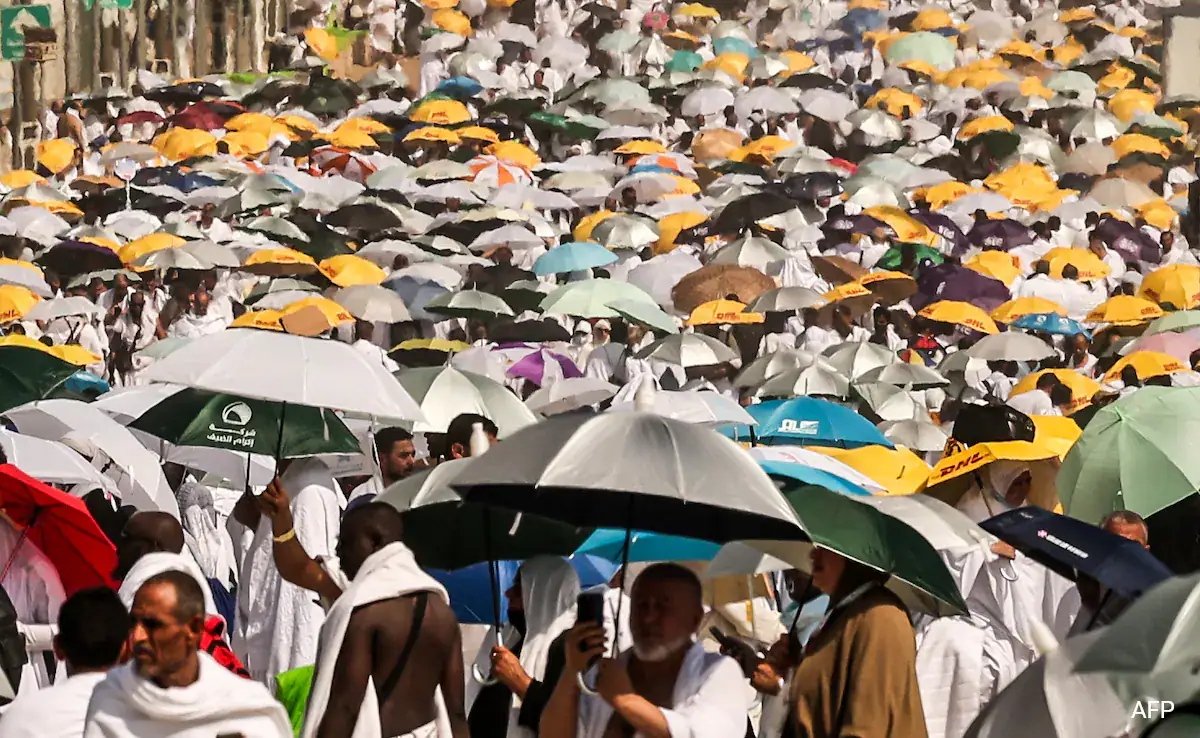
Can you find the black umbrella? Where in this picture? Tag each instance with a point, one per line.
(76, 257)
(328, 96)
(743, 212)
(365, 216)
(942, 225)
(1071, 547)
(528, 331)
(954, 282)
(813, 185)
(808, 81)
(184, 92)
(323, 241)
(497, 278)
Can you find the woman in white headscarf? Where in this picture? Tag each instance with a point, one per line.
(541, 609)
(1000, 487)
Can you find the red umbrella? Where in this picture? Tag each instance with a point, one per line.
(342, 161)
(204, 116)
(61, 527)
(140, 116)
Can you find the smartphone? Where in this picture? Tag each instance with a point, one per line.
(589, 608)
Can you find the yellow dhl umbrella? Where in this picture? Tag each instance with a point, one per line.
(514, 152)
(265, 125)
(312, 316)
(585, 226)
(932, 19)
(1147, 364)
(21, 178)
(1076, 15)
(1159, 214)
(1022, 49)
(853, 295)
(322, 43)
(71, 353)
(997, 265)
(1133, 143)
(957, 472)
(723, 312)
(960, 313)
(363, 123)
(178, 144)
(767, 147)
(898, 470)
(641, 146)
(453, 21)
(347, 270)
(298, 124)
(1118, 78)
(1023, 183)
(1069, 51)
(731, 63)
(672, 225)
(1022, 306)
(441, 113)
(942, 194)
(6, 262)
(895, 102)
(1088, 264)
(246, 144)
(1082, 388)
(439, 4)
(1034, 87)
(15, 301)
(984, 78)
(906, 227)
(1056, 432)
(57, 154)
(1130, 103)
(279, 262)
(698, 10)
(433, 134)
(1177, 285)
(1124, 310)
(352, 138)
(441, 345)
(797, 61)
(263, 320)
(147, 244)
(920, 67)
(973, 128)
(478, 133)
(890, 287)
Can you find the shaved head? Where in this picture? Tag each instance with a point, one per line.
(147, 532)
(364, 531)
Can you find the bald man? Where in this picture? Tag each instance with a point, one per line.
(1099, 605)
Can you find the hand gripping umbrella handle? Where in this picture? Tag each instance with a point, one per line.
(478, 675)
(584, 686)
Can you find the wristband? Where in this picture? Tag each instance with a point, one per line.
(285, 537)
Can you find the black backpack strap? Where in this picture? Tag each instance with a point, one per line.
(413, 632)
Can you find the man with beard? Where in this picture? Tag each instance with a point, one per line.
(666, 685)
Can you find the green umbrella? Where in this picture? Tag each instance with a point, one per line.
(444, 393)
(684, 61)
(444, 532)
(1136, 454)
(574, 128)
(27, 374)
(590, 298)
(891, 259)
(931, 48)
(870, 535)
(468, 304)
(194, 418)
(1174, 322)
(648, 316)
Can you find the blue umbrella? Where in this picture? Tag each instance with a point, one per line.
(460, 87)
(817, 477)
(734, 45)
(652, 168)
(574, 256)
(607, 543)
(416, 294)
(860, 20)
(809, 421)
(85, 383)
(471, 593)
(1050, 323)
(1070, 546)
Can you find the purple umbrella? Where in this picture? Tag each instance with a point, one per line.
(1132, 244)
(954, 282)
(943, 226)
(1003, 234)
(537, 364)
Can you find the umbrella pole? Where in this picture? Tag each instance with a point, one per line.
(494, 586)
(12, 557)
(753, 436)
(624, 574)
(278, 441)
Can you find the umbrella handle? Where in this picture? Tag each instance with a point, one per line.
(478, 676)
(584, 686)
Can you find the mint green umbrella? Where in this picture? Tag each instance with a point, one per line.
(590, 298)
(931, 48)
(1138, 454)
(684, 61)
(1174, 322)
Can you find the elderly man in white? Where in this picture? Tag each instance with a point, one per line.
(666, 686)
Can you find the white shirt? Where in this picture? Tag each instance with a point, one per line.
(1034, 402)
(375, 353)
(58, 711)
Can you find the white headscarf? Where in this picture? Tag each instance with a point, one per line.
(549, 588)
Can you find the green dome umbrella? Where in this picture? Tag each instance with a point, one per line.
(590, 298)
(1137, 454)
(931, 48)
(468, 304)
(684, 61)
(1174, 322)
(27, 374)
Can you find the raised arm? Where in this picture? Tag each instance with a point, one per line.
(292, 561)
(560, 719)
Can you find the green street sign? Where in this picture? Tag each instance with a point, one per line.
(14, 19)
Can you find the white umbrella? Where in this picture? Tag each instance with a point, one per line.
(432, 272)
(692, 406)
(52, 462)
(323, 373)
(1010, 346)
(122, 457)
(786, 300)
(126, 404)
(901, 374)
(856, 358)
(890, 402)
(29, 277)
(826, 104)
(819, 461)
(918, 435)
(372, 302)
(814, 376)
(751, 251)
(768, 100)
(625, 232)
(569, 394)
(688, 350)
(590, 298)
(771, 365)
(63, 307)
(200, 255)
(445, 393)
(708, 100)
(660, 274)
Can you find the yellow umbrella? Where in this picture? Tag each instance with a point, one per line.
(439, 4)
(147, 244)
(478, 133)
(1069, 51)
(352, 138)
(973, 128)
(73, 353)
(246, 144)
(723, 312)
(298, 124)
(312, 316)
(672, 225)
(984, 78)
(942, 194)
(266, 320)
(1125, 310)
(997, 265)
(932, 19)
(107, 243)
(798, 62)
(957, 472)
(896, 102)
(20, 178)
(15, 301)
(731, 63)
(1023, 183)
(279, 262)
(906, 227)
(1023, 49)
(441, 113)
(1081, 386)
(641, 146)
(431, 344)
(57, 154)
(923, 68)
(1034, 87)
(1118, 78)
(1089, 265)
(868, 4)
(898, 470)
(1022, 306)
(347, 270)
(5, 261)
(1076, 15)
(178, 144)
(1147, 364)
(514, 152)
(890, 287)
(322, 43)
(959, 313)
(1056, 432)
(363, 123)
(1159, 214)
(768, 147)
(452, 21)
(585, 226)
(433, 134)
(260, 122)
(1177, 285)
(1132, 143)
(698, 10)
(1130, 103)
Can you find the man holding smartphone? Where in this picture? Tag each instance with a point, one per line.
(666, 685)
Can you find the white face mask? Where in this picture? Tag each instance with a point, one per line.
(580, 338)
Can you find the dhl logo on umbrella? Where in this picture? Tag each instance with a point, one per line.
(970, 462)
